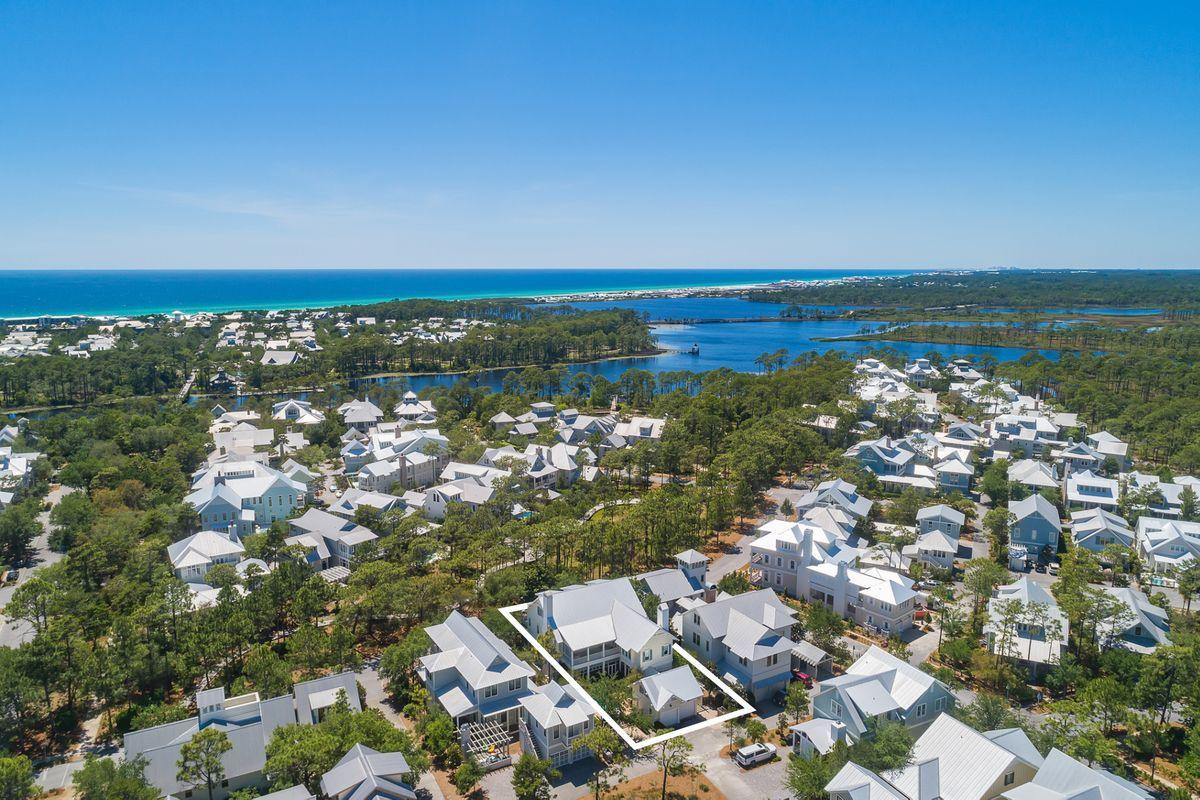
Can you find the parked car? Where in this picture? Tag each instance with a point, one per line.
(12, 575)
(753, 754)
(803, 677)
(1054, 568)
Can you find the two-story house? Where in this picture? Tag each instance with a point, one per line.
(880, 686)
(472, 674)
(556, 717)
(748, 637)
(601, 628)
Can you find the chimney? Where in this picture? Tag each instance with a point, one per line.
(928, 780)
(664, 617)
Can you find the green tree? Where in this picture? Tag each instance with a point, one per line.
(104, 779)
(531, 778)
(16, 779)
(674, 758)
(608, 751)
(200, 759)
(468, 775)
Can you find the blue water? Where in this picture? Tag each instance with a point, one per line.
(736, 345)
(28, 293)
(693, 308)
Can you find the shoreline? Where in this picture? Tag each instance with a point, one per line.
(676, 290)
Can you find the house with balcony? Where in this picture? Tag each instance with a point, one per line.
(1086, 489)
(191, 558)
(601, 628)
(1167, 545)
(555, 718)
(329, 540)
(239, 496)
(297, 412)
(1111, 448)
(412, 410)
(473, 675)
(880, 686)
(747, 637)
(835, 493)
(941, 517)
(1036, 525)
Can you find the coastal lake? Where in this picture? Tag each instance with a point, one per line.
(732, 345)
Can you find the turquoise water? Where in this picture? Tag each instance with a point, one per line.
(28, 293)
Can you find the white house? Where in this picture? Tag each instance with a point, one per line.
(193, 557)
(1039, 632)
(329, 540)
(413, 410)
(361, 415)
(1086, 489)
(669, 697)
(1036, 475)
(1167, 545)
(299, 412)
(472, 674)
(556, 717)
(601, 627)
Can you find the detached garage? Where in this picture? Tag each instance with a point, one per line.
(669, 697)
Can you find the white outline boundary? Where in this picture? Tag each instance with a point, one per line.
(509, 613)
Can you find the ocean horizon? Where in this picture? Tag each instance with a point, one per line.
(133, 292)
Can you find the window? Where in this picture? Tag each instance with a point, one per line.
(939, 704)
(666, 650)
(835, 707)
(1009, 777)
(649, 654)
(491, 691)
(513, 685)
(695, 638)
(921, 710)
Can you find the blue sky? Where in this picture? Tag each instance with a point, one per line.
(586, 134)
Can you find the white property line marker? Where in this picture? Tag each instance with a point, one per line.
(744, 708)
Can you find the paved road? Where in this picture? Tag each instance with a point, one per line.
(14, 634)
(377, 698)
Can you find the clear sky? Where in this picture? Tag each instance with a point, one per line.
(789, 134)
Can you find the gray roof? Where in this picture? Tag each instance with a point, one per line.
(1032, 505)
(678, 683)
(1061, 777)
(555, 704)
(379, 774)
(944, 512)
(478, 656)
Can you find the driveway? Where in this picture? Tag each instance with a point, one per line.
(14, 634)
(377, 698)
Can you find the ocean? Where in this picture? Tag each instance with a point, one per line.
(29, 293)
